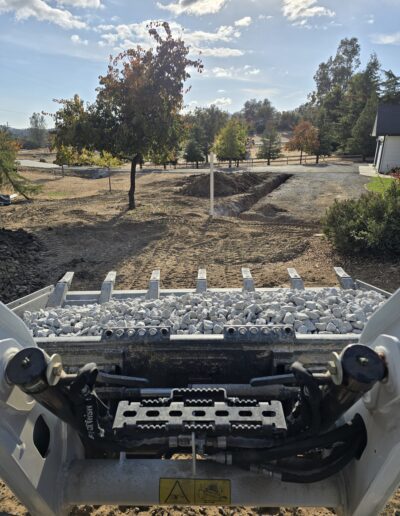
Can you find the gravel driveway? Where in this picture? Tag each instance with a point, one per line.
(306, 196)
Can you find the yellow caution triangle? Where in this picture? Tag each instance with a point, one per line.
(177, 495)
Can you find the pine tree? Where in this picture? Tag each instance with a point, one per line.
(390, 88)
(271, 146)
(9, 175)
(361, 141)
(193, 152)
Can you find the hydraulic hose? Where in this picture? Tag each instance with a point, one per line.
(343, 434)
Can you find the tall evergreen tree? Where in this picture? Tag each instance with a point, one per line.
(390, 88)
(271, 145)
(361, 141)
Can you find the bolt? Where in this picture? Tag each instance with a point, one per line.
(57, 370)
(26, 362)
(363, 361)
(332, 367)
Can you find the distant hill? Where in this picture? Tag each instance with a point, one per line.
(18, 133)
(22, 135)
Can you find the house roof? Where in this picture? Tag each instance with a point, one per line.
(387, 122)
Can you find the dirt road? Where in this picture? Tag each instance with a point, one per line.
(78, 225)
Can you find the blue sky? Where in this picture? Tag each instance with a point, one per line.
(250, 48)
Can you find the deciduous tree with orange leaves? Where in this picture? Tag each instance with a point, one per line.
(305, 139)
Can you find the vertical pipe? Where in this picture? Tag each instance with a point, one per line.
(212, 184)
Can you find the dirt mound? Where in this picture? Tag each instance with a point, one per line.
(225, 184)
(20, 254)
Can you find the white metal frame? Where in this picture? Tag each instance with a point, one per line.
(50, 485)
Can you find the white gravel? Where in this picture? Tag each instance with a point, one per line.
(325, 311)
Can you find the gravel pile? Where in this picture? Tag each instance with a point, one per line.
(330, 310)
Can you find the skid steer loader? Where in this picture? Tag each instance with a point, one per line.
(258, 415)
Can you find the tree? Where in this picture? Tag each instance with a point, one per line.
(271, 146)
(338, 70)
(37, 130)
(205, 124)
(258, 114)
(230, 143)
(304, 139)
(361, 141)
(361, 86)
(139, 99)
(9, 175)
(287, 120)
(193, 152)
(325, 136)
(169, 152)
(66, 155)
(390, 88)
(74, 125)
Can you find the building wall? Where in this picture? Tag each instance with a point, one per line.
(390, 155)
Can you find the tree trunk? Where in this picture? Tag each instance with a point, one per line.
(165, 166)
(269, 160)
(317, 159)
(301, 156)
(197, 164)
(131, 195)
(230, 163)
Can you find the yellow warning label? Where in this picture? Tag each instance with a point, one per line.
(185, 491)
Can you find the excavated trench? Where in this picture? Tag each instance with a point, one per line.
(238, 205)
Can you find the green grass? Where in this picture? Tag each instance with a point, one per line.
(380, 184)
(55, 194)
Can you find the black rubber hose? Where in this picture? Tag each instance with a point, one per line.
(308, 477)
(310, 399)
(307, 464)
(342, 434)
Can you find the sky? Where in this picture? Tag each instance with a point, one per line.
(52, 49)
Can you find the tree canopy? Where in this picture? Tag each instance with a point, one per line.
(230, 144)
(9, 175)
(136, 112)
(304, 139)
(37, 130)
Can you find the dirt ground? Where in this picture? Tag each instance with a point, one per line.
(82, 227)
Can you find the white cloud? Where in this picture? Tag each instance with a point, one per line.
(243, 22)
(232, 72)
(371, 19)
(221, 101)
(42, 11)
(127, 36)
(386, 39)
(76, 40)
(296, 10)
(196, 7)
(84, 4)
(261, 92)
(265, 17)
(219, 52)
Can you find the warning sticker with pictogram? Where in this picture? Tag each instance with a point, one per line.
(184, 491)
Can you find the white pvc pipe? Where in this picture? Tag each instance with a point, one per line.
(212, 184)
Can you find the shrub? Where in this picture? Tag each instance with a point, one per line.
(368, 225)
(395, 172)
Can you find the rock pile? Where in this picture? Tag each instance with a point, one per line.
(20, 257)
(329, 310)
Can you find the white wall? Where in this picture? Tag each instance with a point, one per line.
(391, 154)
